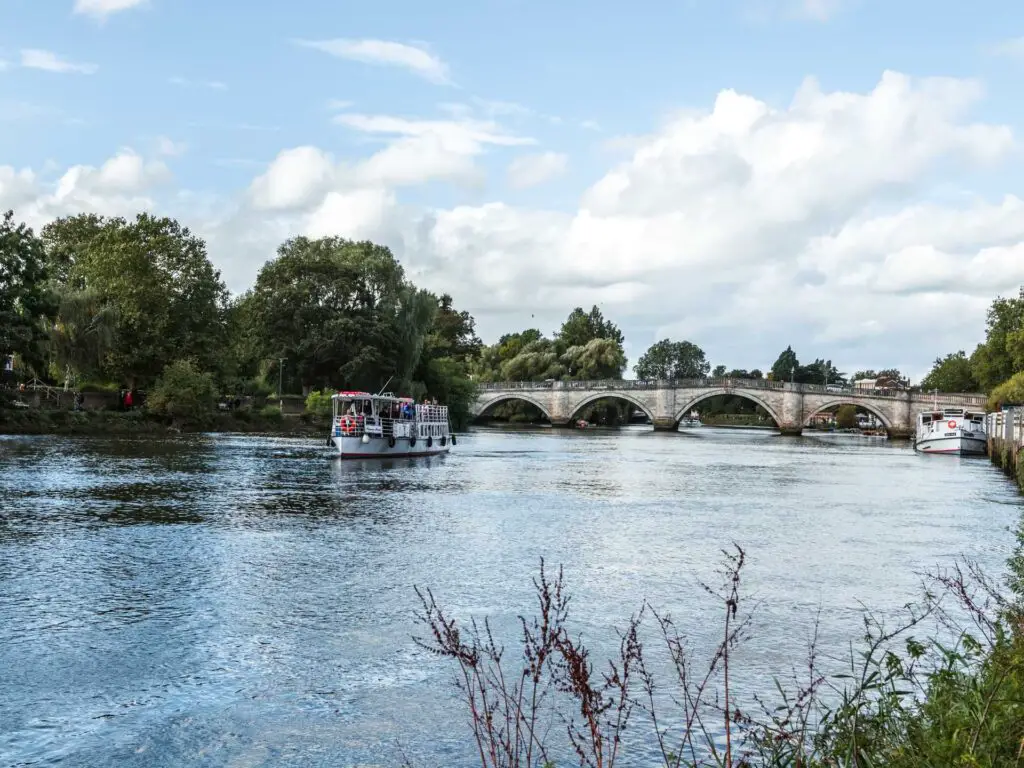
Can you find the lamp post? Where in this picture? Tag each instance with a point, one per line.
(280, 381)
(792, 375)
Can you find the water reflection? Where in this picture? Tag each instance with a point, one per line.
(247, 600)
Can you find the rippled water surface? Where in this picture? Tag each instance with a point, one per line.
(243, 600)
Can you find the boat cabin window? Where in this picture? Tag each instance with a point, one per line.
(355, 406)
(926, 419)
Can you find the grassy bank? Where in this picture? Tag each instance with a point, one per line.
(25, 421)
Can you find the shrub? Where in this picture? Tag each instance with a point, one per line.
(319, 403)
(1010, 391)
(184, 394)
(270, 412)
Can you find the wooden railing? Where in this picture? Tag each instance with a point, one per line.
(1006, 425)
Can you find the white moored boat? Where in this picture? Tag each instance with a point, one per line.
(366, 426)
(951, 430)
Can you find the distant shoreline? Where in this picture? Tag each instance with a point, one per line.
(133, 423)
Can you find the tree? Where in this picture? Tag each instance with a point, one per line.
(340, 311)
(846, 417)
(83, 333)
(1010, 391)
(453, 333)
(1002, 353)
(184, 394)
(785, 366)
(672, 360)
(820, 372)
(581, 328)
(718, 372)
(952, 373)
(24, 300)
(451, 345)
(599, 358)
(155, 276)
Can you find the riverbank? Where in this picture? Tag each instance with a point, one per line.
(24, 421)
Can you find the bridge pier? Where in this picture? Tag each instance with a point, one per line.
(791, 431)
(665, 425)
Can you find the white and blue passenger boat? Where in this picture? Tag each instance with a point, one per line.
(366, 426)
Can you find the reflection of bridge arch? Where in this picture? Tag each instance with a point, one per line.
(876, 412)
(505, 398)
(745, 394)
(612, 396)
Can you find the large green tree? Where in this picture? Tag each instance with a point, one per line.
(669, 359)
(785, 367)
(24, 299)
(952, 373)
(341, 312)
(154, 277)
(581, 327)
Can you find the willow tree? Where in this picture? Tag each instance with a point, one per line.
(83, 333)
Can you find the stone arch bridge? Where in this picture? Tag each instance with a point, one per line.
(666, 402)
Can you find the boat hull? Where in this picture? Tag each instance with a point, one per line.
(378, 448)
(960, 445)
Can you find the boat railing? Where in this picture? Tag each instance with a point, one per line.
(349, 425)
(432, 414)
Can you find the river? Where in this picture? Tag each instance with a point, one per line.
(246, 600)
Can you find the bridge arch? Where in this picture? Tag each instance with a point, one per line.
(739, 392)
(862, 404)
(508, 397)
(612, 395)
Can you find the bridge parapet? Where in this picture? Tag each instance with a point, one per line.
(947, 399)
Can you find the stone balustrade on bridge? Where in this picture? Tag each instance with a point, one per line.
(666, 403)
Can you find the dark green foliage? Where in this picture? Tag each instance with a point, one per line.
(184, 394)
(952, 373)
(148, 282)
(24, 299)
(581, 327)
(673, 360)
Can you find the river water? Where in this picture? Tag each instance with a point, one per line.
(246, 600)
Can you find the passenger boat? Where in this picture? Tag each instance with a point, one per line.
(690, 420)
(366, 426)
(951, 430)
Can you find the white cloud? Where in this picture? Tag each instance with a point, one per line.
(35, 58)
(295, 178)
(531, 170)
(121, 186)
(169, 147)
(336, 105)
(1013, 48)
(745, 227)
(102, 8)
(384, 52)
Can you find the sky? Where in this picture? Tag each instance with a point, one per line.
(842, 176)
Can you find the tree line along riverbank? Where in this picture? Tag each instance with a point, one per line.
(136, 303)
